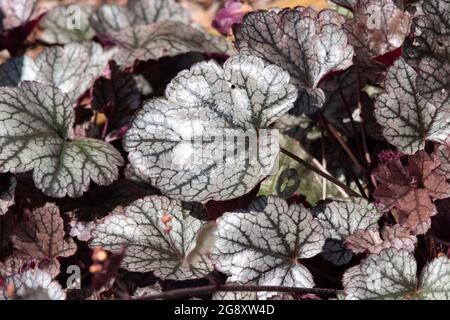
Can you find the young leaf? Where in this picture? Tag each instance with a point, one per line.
(34, 126)
(42, 237)
(397, 237)
(336, 252)
(392, 275)
(7, 194)
(377, 27)
(185, 142)
(57, 27)
(340, 218)
(232, 12)
(407, 117)
(305, 43)
(264, 245)
(158, 235)
(410, 189)
(32, 285)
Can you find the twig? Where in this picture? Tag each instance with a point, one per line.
(320, 173)
(210, 289)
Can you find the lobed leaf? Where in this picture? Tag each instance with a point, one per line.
(302, 41)
(14, 13)
(42, 237)
(34, 126)
(158, 235)
(392, 275)
(66, 24)
(147, 30)
(264, 245)
(408, 118)
(377, 27)
(32, 285)
(341, 218)
(410, 189)
(185, 142)
(397, 237)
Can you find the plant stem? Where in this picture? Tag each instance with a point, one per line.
(352, 122)
(334, 133)
(210, 289)
(319, 172)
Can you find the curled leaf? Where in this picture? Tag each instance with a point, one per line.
(287, 183)
(232, 12)
(16, 70)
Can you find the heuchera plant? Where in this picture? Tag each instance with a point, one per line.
(302, 154)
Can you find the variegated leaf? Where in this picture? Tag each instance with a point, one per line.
(35, 120)
(391, 274)
(407, 117)
(66, 24)
(265, 245)
(185, 142)
(302, 41)
(32, 285)
(159, 235)
(42, 237)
